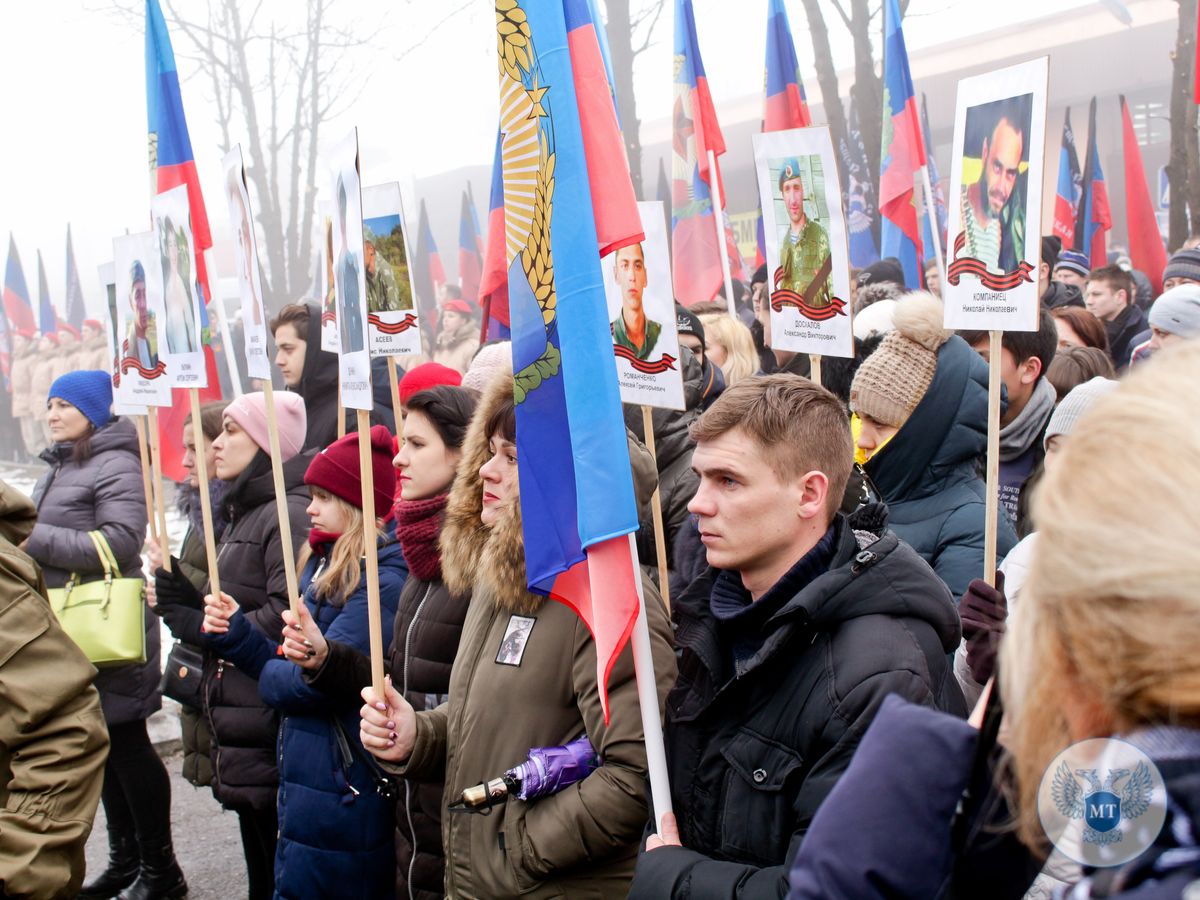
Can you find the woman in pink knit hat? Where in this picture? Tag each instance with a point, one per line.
(251, 565)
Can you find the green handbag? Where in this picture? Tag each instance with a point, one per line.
(105, 618)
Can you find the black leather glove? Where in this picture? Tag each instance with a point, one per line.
(185, 623)
(174, 589)
(984, 613)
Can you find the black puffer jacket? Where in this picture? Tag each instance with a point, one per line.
(101, 493)
(428, 625)
(753, 750)
(673, 455)
(319, 388)
(250, 560)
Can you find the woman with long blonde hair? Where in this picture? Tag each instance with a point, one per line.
(729, 344)
(1102, 645)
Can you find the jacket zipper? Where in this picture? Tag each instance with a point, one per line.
(412, 860)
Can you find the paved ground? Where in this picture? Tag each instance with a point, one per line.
(207, 843)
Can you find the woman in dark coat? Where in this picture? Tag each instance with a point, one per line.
(95, 484)
(193, 563)
(428, 623)
(335, 828)
(250, 558)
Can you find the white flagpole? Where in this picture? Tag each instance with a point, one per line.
(643, 667)
(933, 227)
(719, 223)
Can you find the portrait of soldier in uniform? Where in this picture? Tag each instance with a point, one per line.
(805, 260)
(632, 329)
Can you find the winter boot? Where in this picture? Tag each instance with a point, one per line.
(122, 869)
(160, 877)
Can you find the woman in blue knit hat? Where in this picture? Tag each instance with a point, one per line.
(95, 484)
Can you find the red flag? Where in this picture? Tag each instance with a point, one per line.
(1146, 249)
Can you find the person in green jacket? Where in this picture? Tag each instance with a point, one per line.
(804, 254)
(631, 329)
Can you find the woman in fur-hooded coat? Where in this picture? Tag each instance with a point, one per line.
(524, 677)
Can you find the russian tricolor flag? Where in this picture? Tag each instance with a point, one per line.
(493, 283)
(172, 164)
(430, 275)
(902, 156)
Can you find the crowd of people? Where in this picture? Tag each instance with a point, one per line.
(830, 668)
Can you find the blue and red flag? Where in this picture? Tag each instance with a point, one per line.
(428, 272)
(858, 195)
(935, 182)
(47, 315)
(696, 252)
(470, 260)
(76, 308)
(1095, 217)
(172, 164)
(1070, 186)
(577, 504)
(493, 282)
(902, 153)
(786, 104)
(1146, 249)
(17, 307)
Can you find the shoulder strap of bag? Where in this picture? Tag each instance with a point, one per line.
(107, 558)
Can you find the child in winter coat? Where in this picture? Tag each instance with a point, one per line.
(335, 828)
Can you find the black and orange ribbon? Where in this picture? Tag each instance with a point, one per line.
(665, 362)
(968, 265)
(391, 327)
(328, 318)
(131, 362)
(782, 297)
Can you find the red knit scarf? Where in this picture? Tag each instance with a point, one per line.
(318, 539)
(418, 524)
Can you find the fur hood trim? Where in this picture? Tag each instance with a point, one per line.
(476, 558)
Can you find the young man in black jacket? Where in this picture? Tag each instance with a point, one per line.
(787, 645)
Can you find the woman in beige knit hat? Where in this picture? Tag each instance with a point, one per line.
(921, 400)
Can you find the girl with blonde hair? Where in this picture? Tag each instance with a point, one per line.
(1102, 645)
(729, 344)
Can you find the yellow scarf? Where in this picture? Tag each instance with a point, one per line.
(861, 456)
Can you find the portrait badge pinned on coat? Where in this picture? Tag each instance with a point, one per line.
(391, 321)
(808, 257)
(139, 316)
(122, 406)
(180, 330)
(349, 275)
(995, 199)
(241, 219)
(641, 314)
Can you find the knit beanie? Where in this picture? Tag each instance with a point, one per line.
(1078, 401)
(250, 413)
(90, 392)
(1177, 311)
(1074, 261)
(488, 363)
(336, 469)
(893, 380)
(424, 376)
(687, 322)
(1183, 264)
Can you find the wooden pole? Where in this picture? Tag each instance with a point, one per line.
(281, 504)
(164, 540)
(719, 223)
(139, 423)
(993, 458)
(370, 550)
(814, 367)
(210, 541)
(660, 539)
(934, 230)
(394, 382)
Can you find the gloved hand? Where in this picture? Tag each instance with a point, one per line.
(174, 589)
(984, 613)
(185, 623)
